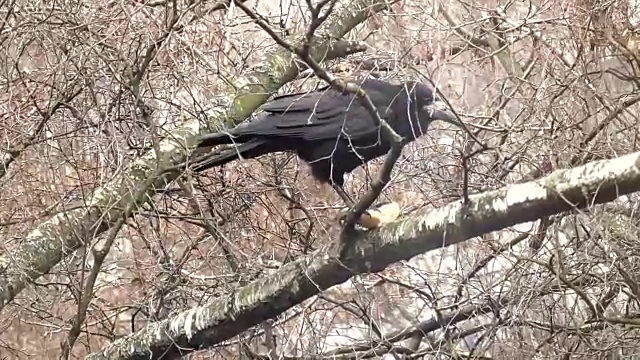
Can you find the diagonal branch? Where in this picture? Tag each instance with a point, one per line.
(424, 230)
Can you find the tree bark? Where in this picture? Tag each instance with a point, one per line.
(424, 230)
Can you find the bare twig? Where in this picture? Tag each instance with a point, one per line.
(99, 255)
(13, 152)
(464, 34)
(189, 190)
(496, 252)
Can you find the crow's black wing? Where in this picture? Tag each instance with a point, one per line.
(318, 115)
(322, 103)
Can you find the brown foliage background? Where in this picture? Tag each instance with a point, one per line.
(89, 86)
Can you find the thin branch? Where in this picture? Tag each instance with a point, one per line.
(209, 226)
(13, 152)
(99, 255)
(496, 252)
(464, 34)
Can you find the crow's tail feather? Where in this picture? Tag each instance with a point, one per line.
(214, 139)
(245, 151)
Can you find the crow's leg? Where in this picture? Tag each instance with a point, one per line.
(367, 219)
(343, 195)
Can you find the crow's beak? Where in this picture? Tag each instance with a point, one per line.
(438, 110)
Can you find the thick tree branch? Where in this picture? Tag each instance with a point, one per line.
(66, 232)
(424, 230)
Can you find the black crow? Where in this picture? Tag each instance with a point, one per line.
(330, 130)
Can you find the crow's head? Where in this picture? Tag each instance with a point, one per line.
(431, 106)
